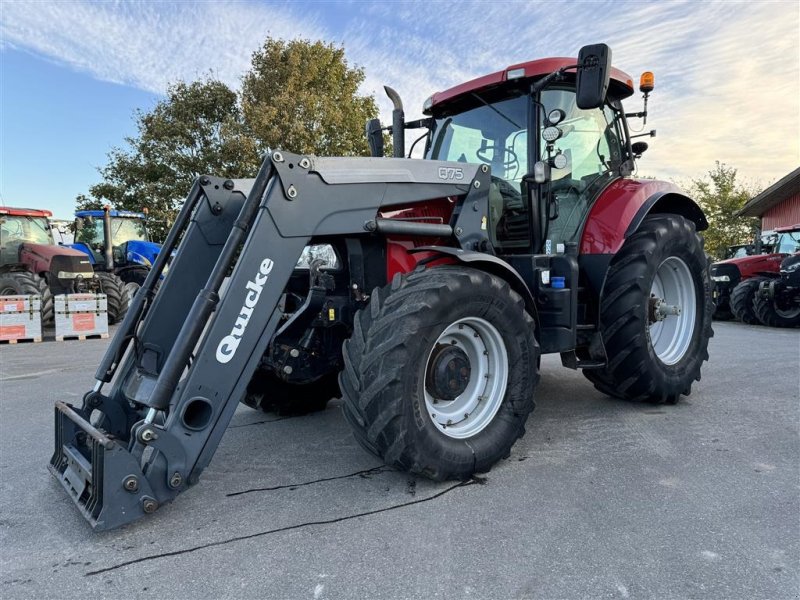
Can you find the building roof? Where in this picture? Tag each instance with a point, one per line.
(781, 190)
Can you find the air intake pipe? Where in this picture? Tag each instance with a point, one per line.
(398, 123)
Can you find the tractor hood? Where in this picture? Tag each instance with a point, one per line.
(758, 263)
(142, 253)
(62, 262)
(46, 252)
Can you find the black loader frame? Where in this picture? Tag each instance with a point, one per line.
(183, 358)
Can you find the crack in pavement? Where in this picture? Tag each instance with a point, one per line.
(364, 473)
(282, 529)
(259, 422)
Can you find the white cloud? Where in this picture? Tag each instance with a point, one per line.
(149, 44)
(727, 74)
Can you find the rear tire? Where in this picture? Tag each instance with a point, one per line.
(742, 299)
(116, 296)
(769, 314)
(24, 283)
(403, 356)
(655, 359)
(269, 393)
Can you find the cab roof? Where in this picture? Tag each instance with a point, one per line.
(125, 214)
(621, 84)
(24, 212)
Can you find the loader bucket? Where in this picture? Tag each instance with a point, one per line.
(92, 467)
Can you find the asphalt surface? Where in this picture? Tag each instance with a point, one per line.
(601, 498)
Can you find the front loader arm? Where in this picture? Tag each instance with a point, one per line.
(189, 352)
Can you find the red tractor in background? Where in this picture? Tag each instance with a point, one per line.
(737, 280)
(32, 263)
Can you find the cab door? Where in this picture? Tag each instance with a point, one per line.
(590, 152)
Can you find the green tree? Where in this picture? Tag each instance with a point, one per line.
(721, 197)
(302, 96)
(197, 129)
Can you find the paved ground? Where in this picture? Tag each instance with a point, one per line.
(600, 499)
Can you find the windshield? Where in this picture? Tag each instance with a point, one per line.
(788, 243)
(15, 230)
(122, 230)
(494, 135)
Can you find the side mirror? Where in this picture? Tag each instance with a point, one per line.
(594, 74)
(375, 137)
(639, 148)
(78, 224)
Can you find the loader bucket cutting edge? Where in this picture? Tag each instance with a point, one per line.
(88, 464)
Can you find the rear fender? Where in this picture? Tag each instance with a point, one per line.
(490, 264)
(621, 208)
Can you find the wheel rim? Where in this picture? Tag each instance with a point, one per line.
(671, 310)
(787, 313)
(131, 288)
(466, 374)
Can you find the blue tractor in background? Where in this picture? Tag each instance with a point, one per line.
(117, 242)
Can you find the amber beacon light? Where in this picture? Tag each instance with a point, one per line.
(647, 82)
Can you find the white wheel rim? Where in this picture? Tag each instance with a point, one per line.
(476, 406)
(672, 292)
(131, 288)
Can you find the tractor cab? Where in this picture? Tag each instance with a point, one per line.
(550, 154)
(22, 226)
(128, 234)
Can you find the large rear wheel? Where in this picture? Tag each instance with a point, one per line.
(440, 372)
(655, 313)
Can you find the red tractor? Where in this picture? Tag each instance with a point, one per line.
(736, 281)
(423, 291)
(32, 263)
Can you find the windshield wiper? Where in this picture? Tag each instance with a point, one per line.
(498, 111)
(38, 224)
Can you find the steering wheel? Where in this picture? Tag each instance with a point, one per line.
(481, 154)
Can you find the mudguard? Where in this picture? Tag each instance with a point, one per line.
(490, 264)
(622, 207)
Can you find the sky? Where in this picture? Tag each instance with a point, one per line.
(73, 72)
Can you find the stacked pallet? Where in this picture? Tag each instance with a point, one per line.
(20, 319)
(81, 316)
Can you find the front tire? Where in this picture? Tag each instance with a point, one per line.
(116, 296)
(133, 279)
(653, 354)
(742, 299)
(440, 372)
(770, 315)
(268, 393)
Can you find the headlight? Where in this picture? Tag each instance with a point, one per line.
(72, 275)
(720, 278)
(318, 251)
